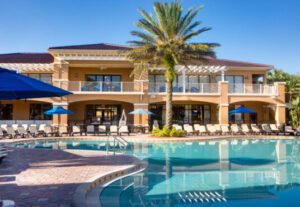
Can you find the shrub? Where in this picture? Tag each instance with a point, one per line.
(166, 132)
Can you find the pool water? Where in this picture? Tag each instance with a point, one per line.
(204, 173)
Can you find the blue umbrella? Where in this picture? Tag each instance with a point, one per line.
(14, 86)
(141, 111)
(58, 110)
(242, 110)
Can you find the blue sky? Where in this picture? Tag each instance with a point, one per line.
(262, 31)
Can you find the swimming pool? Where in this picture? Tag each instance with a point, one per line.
(237, 172)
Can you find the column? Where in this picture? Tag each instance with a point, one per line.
(141, 119)
(280, 115)
(223, 105)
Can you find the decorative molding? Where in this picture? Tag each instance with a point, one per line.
(60, 104)
(141, 104)
(28, 67)
(196, 68)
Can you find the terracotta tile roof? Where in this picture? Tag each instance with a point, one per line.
(101, 46)
(26, 58)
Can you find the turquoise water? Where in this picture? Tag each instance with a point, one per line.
(212, 173)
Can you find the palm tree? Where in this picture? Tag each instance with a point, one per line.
(164, 40)
(295, 112)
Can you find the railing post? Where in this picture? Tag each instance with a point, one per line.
(80, 86)
(142, 87)
(260, 88)
(202, 89)
(121, 86)
(244, 88)
(101, 86)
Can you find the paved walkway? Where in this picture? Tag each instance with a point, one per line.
(33, 177)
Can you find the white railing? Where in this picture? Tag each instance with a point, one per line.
(102, 87)
(251, 89)
(195, 88)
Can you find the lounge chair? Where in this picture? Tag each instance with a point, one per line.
(11, 132)
(218, 128)
(123, 129)
(90, 129)
(245, 129)
(197, 128)
(211, 129)
(155, 125)
(201, 129)
(255, 129)
(189, 129)
(274, 128)
(266, 129)
(2, 135)
(62, 130)
(25, 126)
(4, 127)
(225, 129)
(42, 128)
(15, 126)
(76, 130)
(49, 131)
(113, 129)
(33, 131)
(288, 130)
(102, 129)
(176, 126)
(235, 129)
(23, 133)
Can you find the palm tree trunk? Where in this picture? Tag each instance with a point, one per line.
(169, 112)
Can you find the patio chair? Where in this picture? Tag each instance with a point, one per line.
(49, 131)
(189, 129)
(2, 135)
(76, 130)
(255, 129)
(201, 129)
(266, 129)
(11, 132)
(235, 129)
(4, 127)
(62, 130)
(211, 129)
(274, 129)
(288, 130)
(15, 126)
(176, 126)
(196, 128)
(33, 131)
(218, 128)
(113, 129)
(90, 129)
(23, 133)
(124, 129)
(42, 128)
(245, 129)
(25, 126)
(102, 129)
(225, 129)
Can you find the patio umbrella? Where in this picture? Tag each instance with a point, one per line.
(242, 110)
(58, 111)
(14, 86)
(140, 112)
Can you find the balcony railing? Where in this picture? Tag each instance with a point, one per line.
(195, 88)
(251, 89)
(102, 87)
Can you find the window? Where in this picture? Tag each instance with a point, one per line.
(105, 114)
(44, 77)
(6, 111)
(37, 111)
(235, 83)
(109, 82)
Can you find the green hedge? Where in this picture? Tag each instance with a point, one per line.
(165, 132)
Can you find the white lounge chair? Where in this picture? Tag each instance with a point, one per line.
(102, 129)
(274, 128)
(124, 129)
(266, 129)
(49, 131)
(23, 133)
(2, 135)
(4, 127)
(11, 132)
(211, 129)
(188, 128)
(33, 131)
(218, 128)
(62, 130)
(76, 130)
(201, 129)
(42, 128)
(288, 130)
(25, 126)
(15, 126)
(245, 129)
(113, 129)
(225, 129)
(255, 129)
(90, 129)
(176, 126)
(235, 129)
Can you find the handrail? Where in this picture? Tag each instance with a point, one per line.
(116, 139)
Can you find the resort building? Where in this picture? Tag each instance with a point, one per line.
(104, 84)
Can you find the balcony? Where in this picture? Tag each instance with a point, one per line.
(95, 87)
(252, 89)
(189, 88)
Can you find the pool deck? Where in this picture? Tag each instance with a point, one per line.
(41, 177)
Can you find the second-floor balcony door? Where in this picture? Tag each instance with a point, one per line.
(257, 83)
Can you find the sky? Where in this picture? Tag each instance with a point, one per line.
(261, 31)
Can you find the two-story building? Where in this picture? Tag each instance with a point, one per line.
(104, 83)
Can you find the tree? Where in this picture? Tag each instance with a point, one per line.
(295, 112)
(164, 40)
